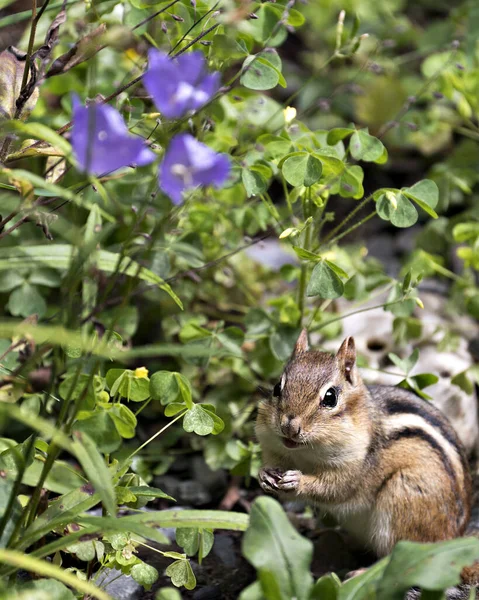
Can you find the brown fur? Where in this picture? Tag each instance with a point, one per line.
(385, 463)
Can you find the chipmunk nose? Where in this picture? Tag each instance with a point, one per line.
(290, 425)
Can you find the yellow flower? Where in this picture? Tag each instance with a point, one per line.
(289, 114)
(141, 372)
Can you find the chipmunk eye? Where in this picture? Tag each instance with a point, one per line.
(330, 398)
(277, 390)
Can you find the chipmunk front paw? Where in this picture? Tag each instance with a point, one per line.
(269, 478)
(289, 481)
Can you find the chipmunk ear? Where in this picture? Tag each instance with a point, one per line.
(302, 344)
(347, 359)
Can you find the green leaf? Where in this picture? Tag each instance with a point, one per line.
(463, 232)
(185, 389)
(99, 475)
(278, 552)
(326, 588)
(366, 147)
(463, 382)
(424, 380)
(337, 269)
(302, 169)
(149, 492)
(124, 420)
(338, 134)
(6, 489)
(206, 519)
(17, 458)
(181, 574)
(252, 592)
(136, 389)
(425, 194)
(429, 566)
(403, 215)
(218, 421)
(41, 589)
(43, 186)
(144, 574)
(205, 543)
(25, 301)
(168, 593)
(202, 421)
(254, 183)
(42, 132)
(164, 387)
(351, 183)
(42, 567)
(60, 256)
(324, 282)
(173, 408)
(305, 254)
(188, 539)
(100, 427)
(259, 73)
(363, 587)
(9, 280)
(84, 551)
(61, 511)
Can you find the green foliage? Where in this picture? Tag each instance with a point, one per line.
(432, 567)
(125, 317)
(280, 555)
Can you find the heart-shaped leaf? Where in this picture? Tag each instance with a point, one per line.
(144, 574)
(365, 147)
(402, 215)
(181, 573)
(425, 194)
(324, 282)
(260, 74)
(164, 387)
(302, 169)
(198, 420)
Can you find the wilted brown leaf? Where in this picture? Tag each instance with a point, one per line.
(12, 65)
(81, 51)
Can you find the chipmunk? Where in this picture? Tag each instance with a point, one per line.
(382, 461)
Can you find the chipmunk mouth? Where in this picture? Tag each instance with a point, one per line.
(288, 443)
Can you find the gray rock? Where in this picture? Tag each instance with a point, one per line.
(224, 550)
(209, 592)
(119, 586)
(372, 332)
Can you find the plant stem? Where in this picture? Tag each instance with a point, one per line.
(304, 265)
(353, 227)
(355, 312)
(180, 416)
(347, 218)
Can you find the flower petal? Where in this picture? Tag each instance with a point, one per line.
(192, 67)
(187, 164)
(206, 90)
(217, 174)
(101, 141)
(161, 81)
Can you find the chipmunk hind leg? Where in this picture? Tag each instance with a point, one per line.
(408, 509)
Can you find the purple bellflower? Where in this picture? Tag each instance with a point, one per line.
(179, 85)
(188, 164)
(101, 142)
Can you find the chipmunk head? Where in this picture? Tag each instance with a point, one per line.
(319, 401)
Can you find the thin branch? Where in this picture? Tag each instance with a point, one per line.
(154, 15)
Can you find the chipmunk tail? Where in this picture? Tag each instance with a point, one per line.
(470, 575)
